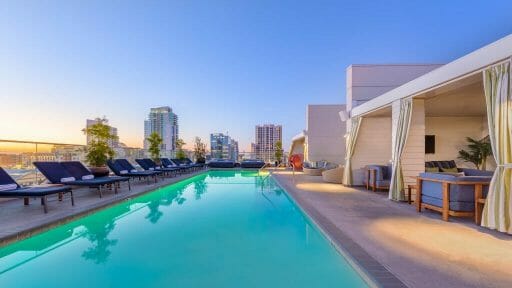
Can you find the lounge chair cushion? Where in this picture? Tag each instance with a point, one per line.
(123, 172)
(67, 179)
(6, 187)
(88, 177)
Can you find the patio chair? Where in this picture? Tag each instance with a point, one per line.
(79, 171)
(120, 170)
(11, 189)
(56, 173)
(377, 177)
(182, 164)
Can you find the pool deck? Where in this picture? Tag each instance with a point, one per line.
(396, 245)
(19, 221)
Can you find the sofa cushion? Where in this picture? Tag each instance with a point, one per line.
(432, 169)
(454, 205)
(450, 170)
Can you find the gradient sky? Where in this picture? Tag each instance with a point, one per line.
(223, 66)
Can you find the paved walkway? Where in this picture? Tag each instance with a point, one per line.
(18, 221)
(419, 249)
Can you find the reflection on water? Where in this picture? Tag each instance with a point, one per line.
(200, 187)
(241, 215)
(97, 234)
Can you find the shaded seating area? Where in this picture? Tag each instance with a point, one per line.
(454, 194)
(10, 189)
(377, 177)
(122, 167)
(252, 164)
(56, 173)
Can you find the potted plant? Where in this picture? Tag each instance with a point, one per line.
(477, 153)
(155, 141)
(199, 151)
(98, 149)
(180, 154)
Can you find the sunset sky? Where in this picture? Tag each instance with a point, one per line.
(223, 66)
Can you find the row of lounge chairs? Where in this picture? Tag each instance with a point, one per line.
(64, 175)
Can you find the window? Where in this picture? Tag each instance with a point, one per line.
(430, 144)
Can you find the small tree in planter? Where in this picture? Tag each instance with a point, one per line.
(199, 150)
(180, 154)
(155, 141)
(98, 149)
(279, 152)
(477, 153)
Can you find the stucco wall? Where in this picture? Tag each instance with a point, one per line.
(367, 81)
(325, 133)
(373, 146)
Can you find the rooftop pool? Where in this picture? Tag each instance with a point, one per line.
(216, 229)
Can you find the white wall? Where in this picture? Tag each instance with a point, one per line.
(365, 82)
(325, 133)
(373, 146)
(451, 133)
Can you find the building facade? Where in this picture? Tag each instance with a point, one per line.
(223, 147)
(113, 130)
(164, 122)
(266, 137)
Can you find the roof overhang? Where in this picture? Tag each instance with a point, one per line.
(465, 66)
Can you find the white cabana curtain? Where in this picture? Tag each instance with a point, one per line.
(350, 145)
(396, 185)
(497, 212)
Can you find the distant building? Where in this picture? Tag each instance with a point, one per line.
(223, 147)
(113, 131)
(266, 137)
(164, 122)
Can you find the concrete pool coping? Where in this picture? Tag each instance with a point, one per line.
(35, 221)
(370, 270)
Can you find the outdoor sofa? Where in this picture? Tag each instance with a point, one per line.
(453, 194)
(9, 188)
(252, 164)
(221, 163)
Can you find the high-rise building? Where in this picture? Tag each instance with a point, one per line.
(266, 137)
(112, 143)
(223, 147)
(164, 122)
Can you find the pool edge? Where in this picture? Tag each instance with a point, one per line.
(360, 261)
(31, 231)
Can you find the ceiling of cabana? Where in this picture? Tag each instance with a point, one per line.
(464, 97)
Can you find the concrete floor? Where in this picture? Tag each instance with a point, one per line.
(420, 249)
(19, 221)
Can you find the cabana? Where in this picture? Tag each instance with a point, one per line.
(469, 97)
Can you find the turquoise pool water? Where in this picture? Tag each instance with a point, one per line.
(218, 229)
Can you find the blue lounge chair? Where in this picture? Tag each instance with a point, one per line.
(79, 171)
(56, 173)
(150, 165)
(166, 162)
(16, 191)
(173, 170)
(182, 164)
(121, 167)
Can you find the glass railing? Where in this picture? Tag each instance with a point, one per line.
(17, 157)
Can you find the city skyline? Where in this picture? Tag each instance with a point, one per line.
(125, 59)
